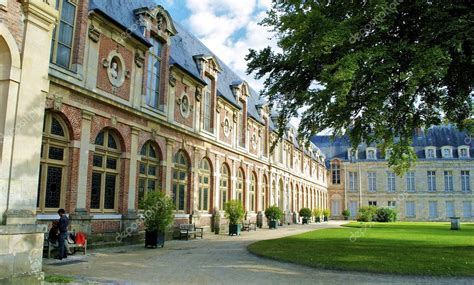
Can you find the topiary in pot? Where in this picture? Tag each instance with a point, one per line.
(273, 214)
(317, 214)
(157, 216)
(234, 212)
(346, 213)
(306, 214)
(326, 214)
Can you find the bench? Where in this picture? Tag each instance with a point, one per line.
(50, 246)
(189, 230)
(248, 226)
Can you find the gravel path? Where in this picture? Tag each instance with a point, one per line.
(215, 260)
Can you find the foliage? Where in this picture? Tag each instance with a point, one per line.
(408, 248)
(305, 213)
(58, 279)
(317, 213)
(326, 212)
(386, 215)
(273, 213)
(375, 70)
(158, 211)
(346, 213)
(367, 213)
(234, 212)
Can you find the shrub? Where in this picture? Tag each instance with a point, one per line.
(326, 213)
(317, 213)
(367, 214)
(346, 213)
(273, 213)
(305, 213)
(158, 211)
(234, 211)
(386, 215)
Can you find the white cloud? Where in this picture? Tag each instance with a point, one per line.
(230, 28)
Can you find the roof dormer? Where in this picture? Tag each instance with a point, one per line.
(430, 152)
(207, 65)
(156, 20)
(447, 152)
(241, 90)
(371, 153)
(463, 151)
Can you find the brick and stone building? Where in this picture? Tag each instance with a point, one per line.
(438, 187)
(104, 101)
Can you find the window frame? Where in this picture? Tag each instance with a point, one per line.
(465, 181)
(202, 174)
(224, 188)
(151, 59)
(55, 34)
(148, 161)
(177, 170)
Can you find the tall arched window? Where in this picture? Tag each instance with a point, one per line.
(264, 193)
(53, 164)
(224, 184)
(204, 185)
(149, 171)
(336, 172)
(239, 191)
(253, 190)
(105, 172)
(154, 69)
(180, 181)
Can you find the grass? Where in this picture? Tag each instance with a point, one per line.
(58, 279)
(407, 248)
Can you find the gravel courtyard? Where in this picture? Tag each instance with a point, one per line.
(217, 259)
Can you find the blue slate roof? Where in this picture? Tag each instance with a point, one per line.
(438, 136)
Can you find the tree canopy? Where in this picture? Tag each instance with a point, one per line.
(375, 70)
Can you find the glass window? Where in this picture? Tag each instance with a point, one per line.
(465, 181)
(392, 204)
(370, 154)
(263, 198)
(410, 209)
(353, 207)
(336, 172)
(204, 189)
(149, 176)
(105, 176)
(390, 181)
(467, 209)
(448, 181)
(372, 181)
(433, 209)
(450, 209)
(464, 153)
(253, 190)
(430, 153)
(446, 153)
(372, 203)
(53, 164)
(410, 183)
(180, 181)
(353, 182)
(224, 185)
(63, 34)
(207, 105)
(154, 74)
(240, 186)
(431, 181)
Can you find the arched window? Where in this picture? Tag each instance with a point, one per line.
(105, 172)
(253, 190)
(336, 172)
(240, 186)
(281, 195)
(149, 171)
(180, 181)
(154, 68)
(263, 195)
(204, 185)
(224, 184)
(53, 164)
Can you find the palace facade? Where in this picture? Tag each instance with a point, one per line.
(105, 101)
(438, 187)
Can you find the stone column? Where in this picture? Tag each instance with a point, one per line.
(217, 176)
(131, 215)
(169, 166)
(247, 189)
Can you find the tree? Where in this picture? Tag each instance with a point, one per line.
(375, 70)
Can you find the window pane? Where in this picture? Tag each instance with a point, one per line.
(181, 197)
(65, 35)
(67, 14)
(53, 187)
(151, 185)
(141, 190)
(99, 140)
(142, 168)
(97, 161)
(205, 198)
(56, 153)
(56, 128)
(111, 163)
(95, 190)
(39, 187)
(109, 194)
(152, 170)
(112, 143)
(152, 152)
(63, 55)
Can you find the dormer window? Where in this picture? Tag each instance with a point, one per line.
(336, 172)
(388, 153)
(371, 153)
(352, 154)
(463, 152)
(430, 152)
(207, 105)
(447, 152)
(154, 74)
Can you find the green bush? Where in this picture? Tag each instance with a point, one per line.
(346, 213)
(158, 211)
(273, 213)
(234, 211)
(305, 213)
(326, 213)
(317, 213)
(386, 215)
(366, 214)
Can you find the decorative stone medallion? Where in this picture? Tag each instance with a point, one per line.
(184, 105)
(115, 68)
(226, 126)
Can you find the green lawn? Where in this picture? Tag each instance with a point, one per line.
(397, 248)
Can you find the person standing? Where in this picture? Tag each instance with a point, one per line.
(62, 238)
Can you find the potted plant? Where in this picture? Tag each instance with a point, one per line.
(234, 212)
(158, 215)
(317, 215)
(306, 214)
(346, 213)
(326, 214)
(273, 215)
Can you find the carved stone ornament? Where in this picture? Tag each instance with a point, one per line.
(154, 133)
(198, 95)
(259, 133)
(105, 62)
(235, 117)
(172, 81)
(113, 120)
(139, 59)
(94, 33)
(218, 107)
(57, 102)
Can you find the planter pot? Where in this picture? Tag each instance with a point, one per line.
(234, 230)
(305, 221)
(346, 218)
(154, 239)
(325, 219)
(272, 224)
(318, 219)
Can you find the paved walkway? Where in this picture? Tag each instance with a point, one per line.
(214, 260)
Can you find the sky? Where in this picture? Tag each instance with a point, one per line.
(228, 27)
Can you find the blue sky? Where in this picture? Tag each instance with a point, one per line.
(228, 27)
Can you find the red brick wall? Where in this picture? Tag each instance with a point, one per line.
(12, 18)
(222, 137)
(106, 46)
(80, 34)
(105, 226)
(178, 117)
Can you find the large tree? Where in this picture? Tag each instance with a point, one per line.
(376, 70)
